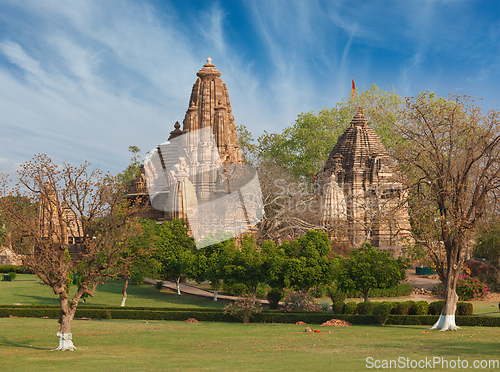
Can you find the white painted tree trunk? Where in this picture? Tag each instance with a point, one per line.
(445, 323)
(215, 294)
(124, 298)
(177, 284)
(65, 342)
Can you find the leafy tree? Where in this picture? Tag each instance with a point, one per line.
(174, 248)
(451, 155)
(368, 268)
(300, 264)
(211, 262)
(303, 148)
(72, 203)
(143, 261)
(247, 267)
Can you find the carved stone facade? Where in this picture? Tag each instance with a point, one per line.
(192, 167)
(361, 193)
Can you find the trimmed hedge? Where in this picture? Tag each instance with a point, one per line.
(5, 269)
(216, 315)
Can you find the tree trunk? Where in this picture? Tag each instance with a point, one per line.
(446, 320)
(177, 283)
(124, 291)
(64, 334)
(216, 289)
(366, 296)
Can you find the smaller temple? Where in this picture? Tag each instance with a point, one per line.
(362, 195)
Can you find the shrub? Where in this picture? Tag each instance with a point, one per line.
(365, 308)
(274, 297)
(335, 295)
(469, 288)
(13, 268)
(338, 307)
(325, 306)
(12, 275)
(298, 301)
(262, 290)
(350, 308)
(493, 282)
(400, 290)
(381, 312)
(402, 308)
(243, 307)
(235, 289)
(159, 285)
(465, 309)
(137, 278)
(436, 307)
(419, 308)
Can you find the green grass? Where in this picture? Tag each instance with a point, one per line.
(27, 289)
(115, 345)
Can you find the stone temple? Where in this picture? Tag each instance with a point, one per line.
(199, 164)
(361, 192)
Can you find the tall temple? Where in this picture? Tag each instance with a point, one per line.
(199, 165)
(361, 191)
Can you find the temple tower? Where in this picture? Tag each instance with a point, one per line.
(196, 165)
(361, 190)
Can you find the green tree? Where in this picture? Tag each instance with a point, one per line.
(247, 267)
(143, 262)
(368, 268)
(211, 262)
(451, 155)
(303, 148)
(300, 264)
(174, 248)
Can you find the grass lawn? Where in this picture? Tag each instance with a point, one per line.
(26, 289)
(116, 345)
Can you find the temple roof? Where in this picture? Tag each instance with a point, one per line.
(357, 148)
(209, 105)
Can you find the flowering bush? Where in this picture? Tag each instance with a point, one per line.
(244, 307)
(469, 288)
(298, 301)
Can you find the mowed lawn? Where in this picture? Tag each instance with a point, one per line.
(27, 289)
(115, 345)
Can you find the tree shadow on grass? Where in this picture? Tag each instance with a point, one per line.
(12, 344)
(39, 300)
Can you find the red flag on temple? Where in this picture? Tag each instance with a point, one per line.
(353, 87)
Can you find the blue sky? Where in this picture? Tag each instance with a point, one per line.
(83, 80)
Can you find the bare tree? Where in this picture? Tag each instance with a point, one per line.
(291, 208)
(73, 222)
(452, 157)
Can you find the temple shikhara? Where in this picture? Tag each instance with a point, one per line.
(361, 192)
(200, 168)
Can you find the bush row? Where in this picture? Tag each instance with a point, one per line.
(401, 308)
(5, 269)
(216, 315)
(401, 290)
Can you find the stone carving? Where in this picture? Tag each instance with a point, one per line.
(361, 194)
(196, 168)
